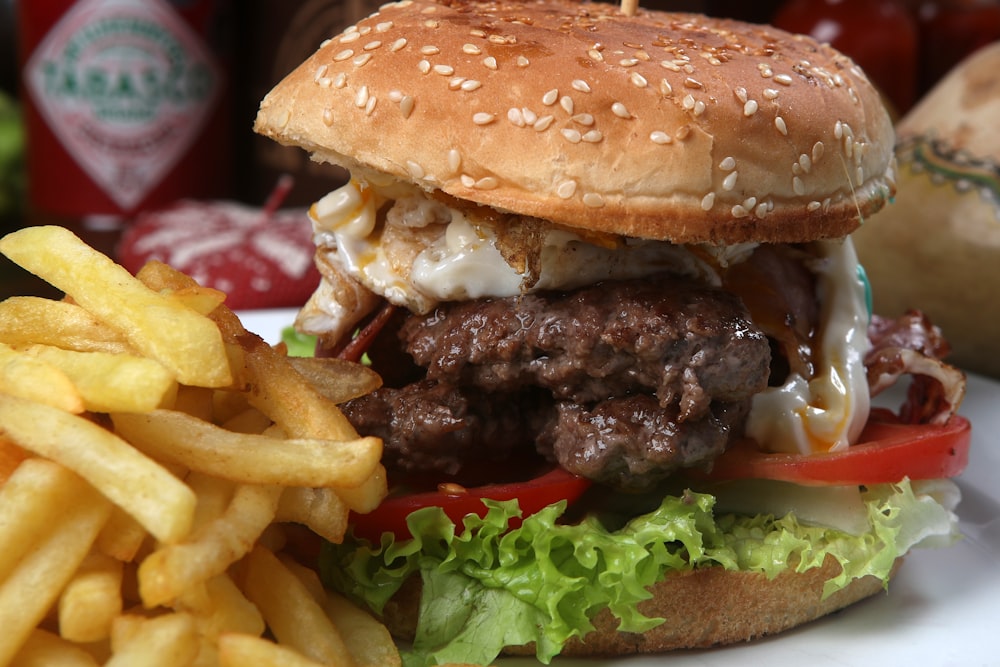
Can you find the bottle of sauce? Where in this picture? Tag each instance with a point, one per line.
(127, 106)
(880, 35)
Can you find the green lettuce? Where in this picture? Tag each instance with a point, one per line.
(486, 587)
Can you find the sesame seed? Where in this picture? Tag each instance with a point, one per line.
(486, 183)
(638, 80)
(770, 93)
(490, 62)
(340, 80)
(424, 66)
(783, 79)
(581, 85)
(750, 108)
(529, 116)
(673, 67)
(471, 84)
(566, 102)
(415, 170)
(728, 163)
(593, 200)
(476, 32)
(350, 37)
(370, 107)
(543, 123)
(432, 24)
(371, 46)
(467, 181)
(665, 87)
(522, 61)
(798, 186)
(429, 50)
(699, 108)
(805, 162)
(813, 206)
(749, 203)
(344, 55)
(361, 97)
(779, 123)
(454, 160)
(456, 82)
(838, 130)
(566, 189)
(385, 26)
(688, 102)
(320, 72)
(708, 201)
(729, 182)
(739, 211)
(515, 117)
(328, 117)
(693, 83)
(444, 70)
(859, 175)
(596, 55)
(571, 135)
(658, 137)
(628, 62)
(362, 60)
(585, 119)
(483, 118)
(550, 97)
(682, 132)
(471, 49)
(817, 151)
(398, 45)
(593, 136)
(406, 105)
(741, 94)
(620, 110)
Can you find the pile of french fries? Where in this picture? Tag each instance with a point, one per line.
(156, 461)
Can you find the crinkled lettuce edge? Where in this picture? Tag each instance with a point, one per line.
(486, 587)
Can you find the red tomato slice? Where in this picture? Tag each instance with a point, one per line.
(457, 502)
(887, 451)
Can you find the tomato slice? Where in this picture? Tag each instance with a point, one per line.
(887, 451)
(533, 495)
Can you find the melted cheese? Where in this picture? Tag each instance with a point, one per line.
(452, 257)
(827, 412)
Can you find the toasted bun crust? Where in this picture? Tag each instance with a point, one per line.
(658, 125)
(701, 609)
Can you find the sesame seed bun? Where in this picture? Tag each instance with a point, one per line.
(657, 125)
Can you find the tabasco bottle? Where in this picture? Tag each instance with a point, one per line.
(127, 106)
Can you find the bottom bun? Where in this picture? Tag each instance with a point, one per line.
(701, 608)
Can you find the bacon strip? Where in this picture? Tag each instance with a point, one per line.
(912, 345)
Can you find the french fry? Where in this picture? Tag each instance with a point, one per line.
(336, 380)
(240, 650)
(249, 458)
(162, 328)
(291, 613)
(91, 600)
(45, 649)
(169, 640)
(27, 377)
(366, 496)
(111, 382)
(34, 584)
(34, 320)
(321, 509)
(11, 456)
(30, 502)
(367, 639)
(221, 607)
(122, 536)
(142, 487)
(207, 553)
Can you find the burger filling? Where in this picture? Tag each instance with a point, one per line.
(621, 359)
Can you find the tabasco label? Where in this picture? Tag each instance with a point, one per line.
(126, 86)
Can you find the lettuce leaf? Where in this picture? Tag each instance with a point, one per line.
(486, 587)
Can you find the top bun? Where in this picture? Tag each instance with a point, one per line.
(658, 125)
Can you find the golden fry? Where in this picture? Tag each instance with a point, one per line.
(162, 328)
(45, 649)
(321, 509)
(34, 584)
(91, 600)
(122, 536)
(336, 380)
(111, 382)
(291, 613)
(142, 487)
(36, 380)
(34, 320)
(249, 458)
(220, 606)
(165, 573)
(169, 640)
(367, 639)
(240, 650)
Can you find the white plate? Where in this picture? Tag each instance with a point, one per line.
(942, 609)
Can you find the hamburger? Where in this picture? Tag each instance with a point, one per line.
(601, 260)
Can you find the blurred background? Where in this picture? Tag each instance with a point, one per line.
(906, 46)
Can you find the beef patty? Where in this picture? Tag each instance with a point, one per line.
(623, 382)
